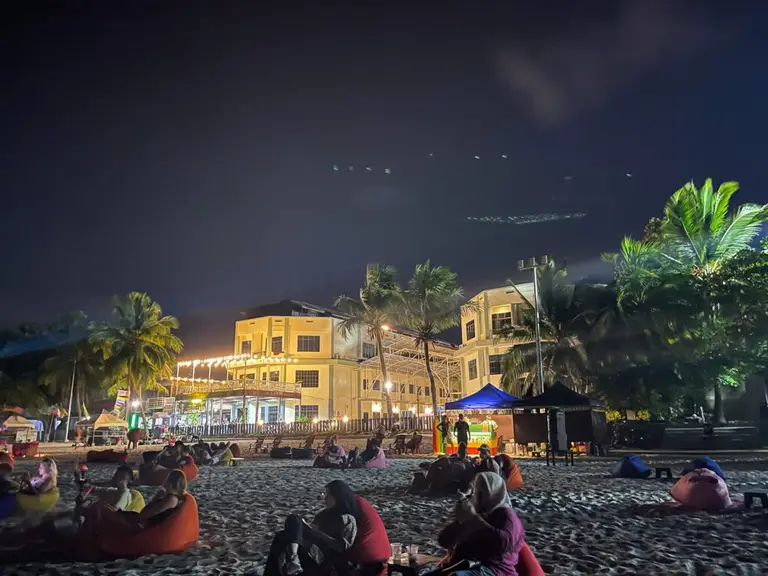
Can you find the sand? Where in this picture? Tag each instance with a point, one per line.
(578, 520)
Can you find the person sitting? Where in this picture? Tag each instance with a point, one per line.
(359, 459)
(202, 453)
(221, 454)
(346, 535)
(45, 481)
(333, 456)
(413, 443)
(486, 530)
(485, 463)
(8, 485)
(115, 491)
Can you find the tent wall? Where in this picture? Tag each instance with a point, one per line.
(530, 428)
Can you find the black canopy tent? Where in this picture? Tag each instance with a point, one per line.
(584, 417)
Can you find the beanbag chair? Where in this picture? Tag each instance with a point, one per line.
(515, 477)
(226, 458)
(7, 505)
(106, 456)
(378, 461)
(7, 458)
(235, 448)
(302, 453)
(283, 453)
(137, 502)
(706, 463)
(631, 467)
(527, 565)
(113, 538)
(44, 502)
(701, 490)
(156, 476)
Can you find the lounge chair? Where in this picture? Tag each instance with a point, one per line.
(414, 444)
(275, 444)
(398, 446)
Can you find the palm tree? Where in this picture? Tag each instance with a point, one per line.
(139, 345)
(563, 327)
(373, 312)
(430, 305)
(698, 234)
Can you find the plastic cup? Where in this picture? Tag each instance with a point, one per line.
(395, 549)
(413, 554)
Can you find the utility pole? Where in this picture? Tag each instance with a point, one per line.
(533, 264)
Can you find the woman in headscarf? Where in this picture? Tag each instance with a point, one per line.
(333, 456)
(486, 532)
(347, 534)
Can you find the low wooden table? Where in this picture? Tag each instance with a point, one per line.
(236, 461)
(422, 560)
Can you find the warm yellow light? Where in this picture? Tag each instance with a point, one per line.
(428, 411)
(345, 419)
(261, 422)
(388, 385)
(314, 420)
(413, 409)
(376, 407)
(384, 327)
(395, 410)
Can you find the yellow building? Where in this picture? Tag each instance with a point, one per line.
(481, 348)
(291, 360)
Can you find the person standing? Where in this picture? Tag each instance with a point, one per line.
(461, 429)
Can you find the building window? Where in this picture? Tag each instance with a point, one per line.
(411, 389)
(274, 376)
(501, 321)
(369, 350)
(277, 344)
(472, 369)
(273, 414)
(470, 329)
(365, 384)
(245, 347)
(377, 385)
(308, 378)
(309, 412)
(250, 376)
(264, 376)
(427, 391)
(494, 363)
(308, 344)
(365, 415)
(402, 388)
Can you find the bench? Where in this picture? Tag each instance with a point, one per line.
(236, 461)
(661, 469)
(749, 496)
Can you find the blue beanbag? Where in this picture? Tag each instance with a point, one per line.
(282, 453)
(302, 453)
(631, 467)
(705, 462)
(7, 505)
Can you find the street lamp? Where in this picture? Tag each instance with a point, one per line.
(533, 265)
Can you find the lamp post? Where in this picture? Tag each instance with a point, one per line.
(533, 264)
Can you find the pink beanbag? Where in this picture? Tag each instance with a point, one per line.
(701, 489)
(379, 461)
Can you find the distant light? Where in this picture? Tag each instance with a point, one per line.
(395, 410)
(477, 157)
(388, 385)
(385, 327)
(428, 411)
(376, 407)
(135, 403)
(504, 156)
(387, 171)
(314, 420)
(345, 418)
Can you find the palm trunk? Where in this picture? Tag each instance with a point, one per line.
(384, 374)
(432, 388)
(143, 416)
(719, 415)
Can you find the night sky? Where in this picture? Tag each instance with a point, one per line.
(186, 149)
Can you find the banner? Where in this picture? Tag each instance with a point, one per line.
(121, 403)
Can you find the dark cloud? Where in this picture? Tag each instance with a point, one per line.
(579, 68)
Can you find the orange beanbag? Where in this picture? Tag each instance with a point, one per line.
(114, 538)
(527, 565)
(157, 476)
(7, 458)
(235, 449)
(515, 478)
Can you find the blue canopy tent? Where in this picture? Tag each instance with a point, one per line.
(496, 406)
(487, 398)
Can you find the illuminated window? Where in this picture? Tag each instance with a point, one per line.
(501, 321)
(470, 329)
(274, 376)
(411, 389)
(277, 344)
(308, 412)
(308, 344)
(494, 363)
(245, 347)
(308, 378)
(472, 369)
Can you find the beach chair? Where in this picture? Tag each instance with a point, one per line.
(275, 444)
(414, 444)
(256, 447)
(398, 446)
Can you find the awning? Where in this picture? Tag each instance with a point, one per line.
(487, 398)
(560, 396)
(16, 422)
(107, 420)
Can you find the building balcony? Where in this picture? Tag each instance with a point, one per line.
(186, 388)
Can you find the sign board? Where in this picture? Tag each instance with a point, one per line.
(558, 437)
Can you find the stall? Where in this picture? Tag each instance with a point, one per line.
(584, 419)
(19, 433)
(489, 412)
(105, 430)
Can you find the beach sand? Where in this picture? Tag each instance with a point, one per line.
(578, 520)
